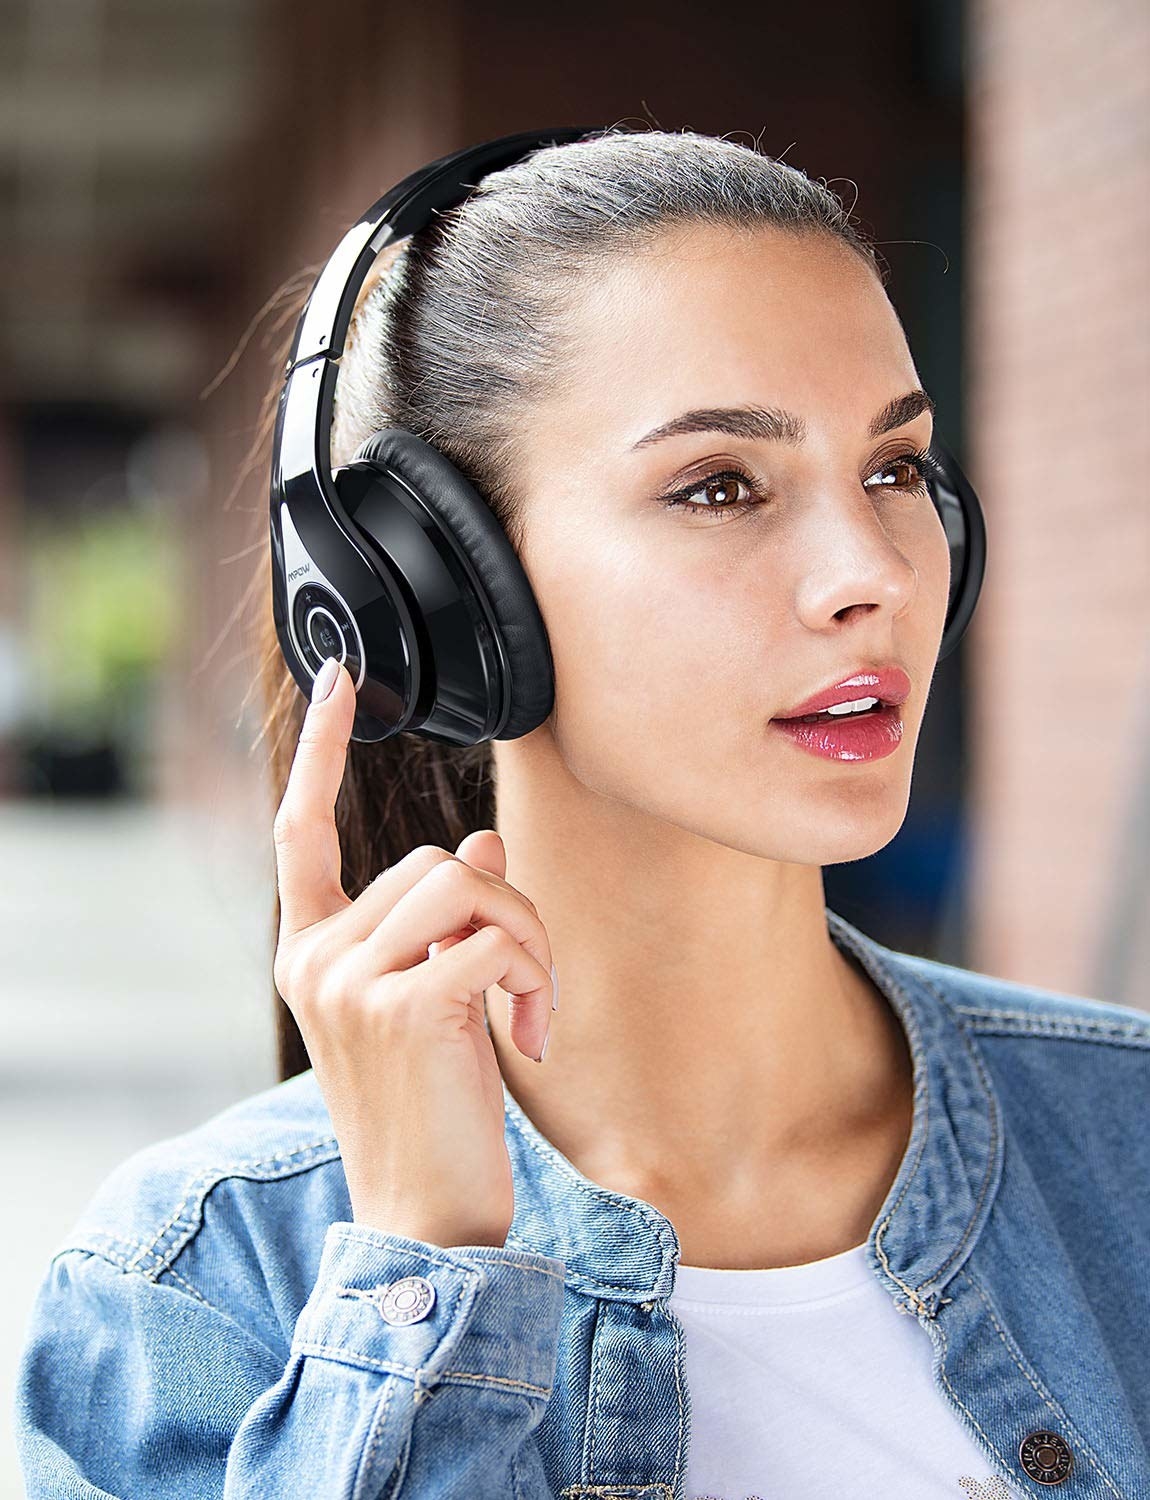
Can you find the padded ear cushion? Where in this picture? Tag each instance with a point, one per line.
(960, 511)
(461, 507)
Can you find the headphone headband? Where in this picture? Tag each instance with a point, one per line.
(403, 210)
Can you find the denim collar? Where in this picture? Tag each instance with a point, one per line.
(618, 1246)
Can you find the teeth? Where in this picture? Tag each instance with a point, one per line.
(860, 705)
(840, 711)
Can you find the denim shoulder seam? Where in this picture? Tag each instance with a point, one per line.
(117, 1252)
(1051, 1024)
(155, 1252)
(967, 993)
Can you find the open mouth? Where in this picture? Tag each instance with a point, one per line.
(852, 734)
(843, 714)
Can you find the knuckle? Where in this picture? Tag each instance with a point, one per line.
(310, 976)
(336, 1004)
(285, 826)
(426, 856)
(310, 737)
(498, 938)
(336, 999)
(281, 971)
(450, 872)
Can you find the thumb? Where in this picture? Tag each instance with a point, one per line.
(484, 849)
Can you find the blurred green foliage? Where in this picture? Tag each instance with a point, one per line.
(104, 598)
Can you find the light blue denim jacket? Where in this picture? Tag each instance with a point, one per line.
(216, 1324)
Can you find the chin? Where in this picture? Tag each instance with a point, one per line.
(837, 826)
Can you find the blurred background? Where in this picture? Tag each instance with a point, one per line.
(170, 174)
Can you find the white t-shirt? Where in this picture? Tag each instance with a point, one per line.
(806, 1383)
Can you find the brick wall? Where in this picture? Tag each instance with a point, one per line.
(1059, 358)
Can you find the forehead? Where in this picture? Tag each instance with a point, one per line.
(712, 315)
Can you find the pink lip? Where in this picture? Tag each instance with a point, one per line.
(889, 684)
(869, 737)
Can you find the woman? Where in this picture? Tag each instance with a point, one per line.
(669, 1261)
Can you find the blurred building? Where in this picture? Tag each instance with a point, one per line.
(1058, 382)
(170, 173)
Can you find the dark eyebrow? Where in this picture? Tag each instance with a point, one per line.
(772, 424)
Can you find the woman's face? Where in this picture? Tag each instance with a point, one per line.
(677, 636)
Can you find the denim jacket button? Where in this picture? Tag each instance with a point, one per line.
(407, 1300)
(1046, 1457)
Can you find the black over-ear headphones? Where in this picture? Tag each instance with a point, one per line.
(396, 565)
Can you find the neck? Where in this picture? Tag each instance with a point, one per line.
(714, 1054)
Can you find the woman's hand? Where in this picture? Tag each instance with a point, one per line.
(387, 991)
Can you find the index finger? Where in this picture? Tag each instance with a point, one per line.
(308, 858)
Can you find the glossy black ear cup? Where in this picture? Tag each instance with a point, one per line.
(498, 573)
(961, 515)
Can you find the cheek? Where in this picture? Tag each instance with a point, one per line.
(651, 649)
(929, 550)
(667, 652)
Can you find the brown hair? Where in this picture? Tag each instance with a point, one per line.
(457, 332)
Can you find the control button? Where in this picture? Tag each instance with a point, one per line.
(324, 633)
(407, 1300)
(323, 628)
(1046, 1457)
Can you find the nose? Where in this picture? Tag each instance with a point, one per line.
(854, 565)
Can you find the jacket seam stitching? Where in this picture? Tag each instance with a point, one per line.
(678, 1360)
(127, 1269)
(342, 1355)
(594, 1405)
(991, 1444)
(379, 1422)
(591, 1284)
(992, 1147)
(201, 1185)
(1040, 1390)
(921, 1091)
(1059, 1026)
(85, 1244)
(508, 1381)
(190, 1289)
(125, 1261)
(589, 1190)
(453, 1265)
(513, 1242)
(616, 1491)
(895, 978)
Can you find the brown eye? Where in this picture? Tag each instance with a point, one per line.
(913, 470)
(721, 494)
(903, 467)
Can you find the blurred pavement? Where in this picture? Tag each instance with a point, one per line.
(134, 1003)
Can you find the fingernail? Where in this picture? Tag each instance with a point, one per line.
(325, 679)
(546, 1039)
(554, 989)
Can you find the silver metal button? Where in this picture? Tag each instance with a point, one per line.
(407, 1300)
